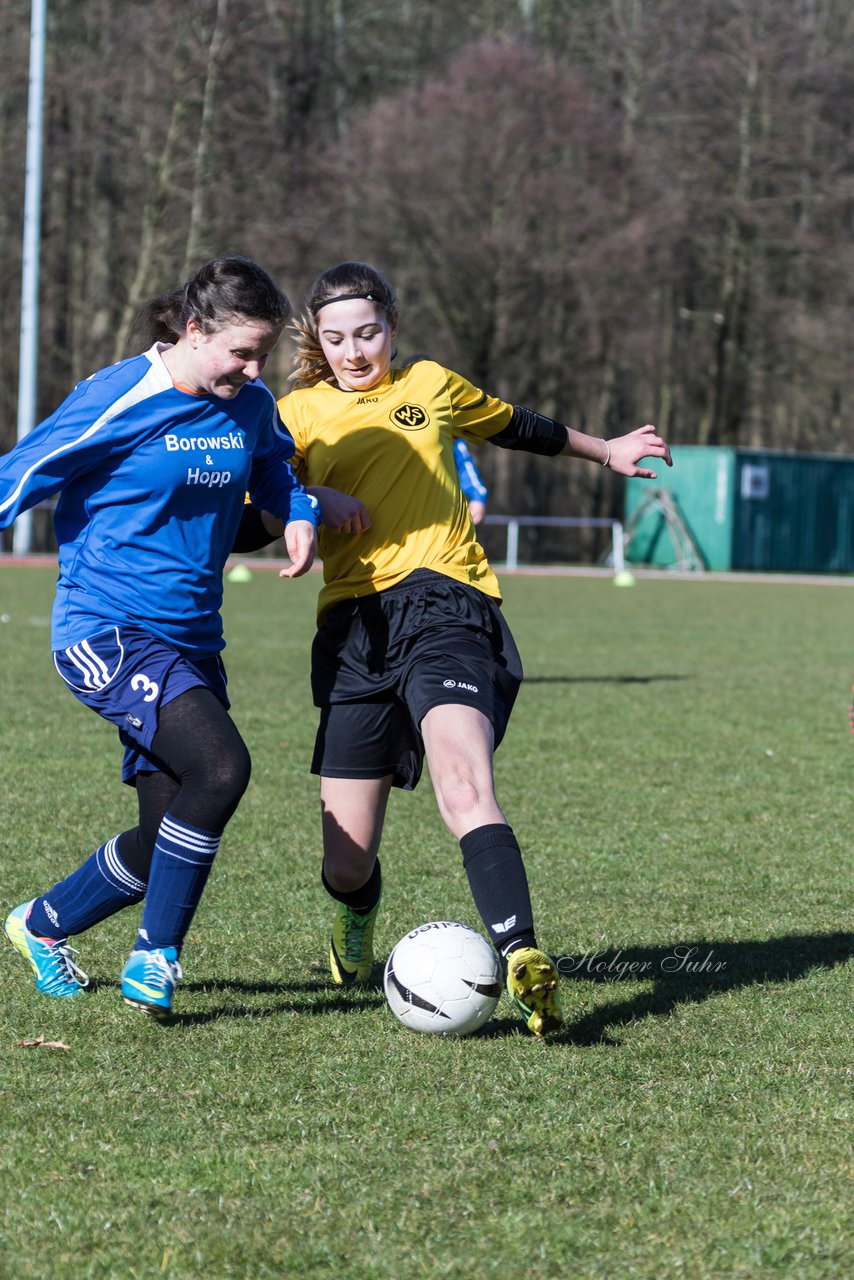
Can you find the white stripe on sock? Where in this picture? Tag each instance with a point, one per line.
(189, 841)
(118, 869)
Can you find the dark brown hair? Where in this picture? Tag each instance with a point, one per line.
(224, 290)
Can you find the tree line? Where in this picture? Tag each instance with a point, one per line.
(615, 211)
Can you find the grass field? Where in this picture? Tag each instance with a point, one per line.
(679, 772)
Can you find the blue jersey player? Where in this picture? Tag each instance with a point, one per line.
(474, 490)
(152, 458)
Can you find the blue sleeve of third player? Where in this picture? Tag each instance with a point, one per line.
(470, 482)
(273, 485)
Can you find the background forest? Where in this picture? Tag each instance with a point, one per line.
(615, 211)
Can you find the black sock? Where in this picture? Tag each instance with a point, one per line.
(499, 886)
(360, 900)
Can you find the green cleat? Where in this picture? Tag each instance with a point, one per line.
(532, 983)
(351, 947)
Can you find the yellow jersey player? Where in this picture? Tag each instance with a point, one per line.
(412, 655)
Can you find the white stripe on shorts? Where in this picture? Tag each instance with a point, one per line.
(92, 678)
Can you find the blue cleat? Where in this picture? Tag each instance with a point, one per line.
(148, 980)
(50, 958)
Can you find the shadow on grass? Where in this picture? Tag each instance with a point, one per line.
(681, 973)
(291, 997)
(294, 997)
(688, 973)
(602, 679)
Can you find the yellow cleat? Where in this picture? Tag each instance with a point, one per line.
(351, 947)
(532, 982)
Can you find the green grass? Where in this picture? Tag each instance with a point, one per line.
(678, 770)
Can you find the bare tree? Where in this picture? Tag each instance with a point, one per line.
(617, 212)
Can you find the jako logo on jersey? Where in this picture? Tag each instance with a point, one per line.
(190, 444)
(411, 417)
(213, 479)
(460, 684)
(502, 927)
(367, 400)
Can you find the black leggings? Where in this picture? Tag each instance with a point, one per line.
(206, 771)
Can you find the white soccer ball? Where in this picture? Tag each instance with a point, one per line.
(443, 978)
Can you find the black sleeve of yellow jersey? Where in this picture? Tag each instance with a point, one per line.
(252, 533)
(532, 432)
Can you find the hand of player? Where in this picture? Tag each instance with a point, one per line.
(341, 511)
(477, 510)
(301, 546)
(628, 450)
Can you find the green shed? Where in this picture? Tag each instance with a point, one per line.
(728, 508)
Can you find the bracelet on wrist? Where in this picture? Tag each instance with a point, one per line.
(607, 453)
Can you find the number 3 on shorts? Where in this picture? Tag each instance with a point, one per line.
(140, 681)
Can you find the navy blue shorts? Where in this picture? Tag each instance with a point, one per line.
(381, 662)
(126, 675)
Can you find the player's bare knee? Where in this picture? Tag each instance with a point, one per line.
(458, 798)
(347, 874)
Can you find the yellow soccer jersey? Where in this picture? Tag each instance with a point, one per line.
(392, 447)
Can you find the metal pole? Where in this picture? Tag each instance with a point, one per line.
(512, 544)
(23, 530)
(618, 544)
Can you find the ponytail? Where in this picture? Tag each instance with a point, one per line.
(224, 290)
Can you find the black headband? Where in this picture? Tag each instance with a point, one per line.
(345, 297)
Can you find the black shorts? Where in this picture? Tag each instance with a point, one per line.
(381, 662)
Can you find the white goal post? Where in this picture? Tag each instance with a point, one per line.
(616, 558)
(514, 523)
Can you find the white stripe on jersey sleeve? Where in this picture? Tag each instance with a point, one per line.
(149, 385)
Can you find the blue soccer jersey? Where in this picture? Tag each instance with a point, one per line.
(152, 482)
(470, 481)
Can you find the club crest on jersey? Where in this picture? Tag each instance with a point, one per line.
(410, 417)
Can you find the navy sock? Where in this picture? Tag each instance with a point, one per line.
(360, 900)
(496, 875)
(98, 889)
(182, 861)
